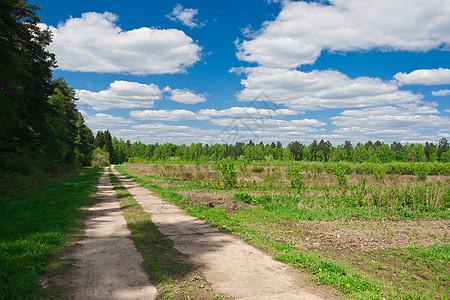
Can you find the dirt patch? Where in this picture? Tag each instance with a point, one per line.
(214, 199)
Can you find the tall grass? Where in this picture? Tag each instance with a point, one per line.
(35, 224)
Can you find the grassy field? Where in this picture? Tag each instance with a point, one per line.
(36, 224)
(373, 235)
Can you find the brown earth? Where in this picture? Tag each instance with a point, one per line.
(107, 264)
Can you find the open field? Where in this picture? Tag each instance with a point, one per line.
(372, 235)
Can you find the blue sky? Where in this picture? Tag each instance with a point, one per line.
(221, 72)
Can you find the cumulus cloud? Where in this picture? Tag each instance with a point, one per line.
(272, 124)
(401, 123)
(184, 15)
(121, 94)
(320, 89)
(94, 43)
(424, 77)
(441, 93)
(167, 115)
(248, 112)
(103, 121)
(185, 96)
(303, 30)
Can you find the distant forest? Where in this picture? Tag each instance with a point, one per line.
(121, 151)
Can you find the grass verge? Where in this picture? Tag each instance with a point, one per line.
(35, 225)
(172, 273)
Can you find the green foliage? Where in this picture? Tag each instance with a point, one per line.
(39, 120)
(100, 158)
(228, 172)
(248, 199)
(244, 197)
(379, 173)
(295, 177)
(340, 173)
(422, 171)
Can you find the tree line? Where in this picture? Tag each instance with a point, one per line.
(323, 151)
(40, 127)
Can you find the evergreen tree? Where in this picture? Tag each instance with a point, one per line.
(25, 79)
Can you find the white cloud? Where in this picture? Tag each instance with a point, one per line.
(303, 30)
(94, 43)
(441, 93)
(167, 115)
(271, 124)
(121, 94)
(410, 122)
(184, 15)
(320, 89)
(185, 96)
(102, 121)
(424, 77)
(248, 112)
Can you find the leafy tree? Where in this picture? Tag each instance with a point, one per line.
(296, 149)
(348, 149)
(429, 149)
(100, 158)
(313, 148)
(103, 140)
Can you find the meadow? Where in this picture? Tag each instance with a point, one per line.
(370, 230)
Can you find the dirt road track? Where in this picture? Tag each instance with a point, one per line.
(108, 265)
(227, 263)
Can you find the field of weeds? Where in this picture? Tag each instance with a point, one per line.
(367, 230)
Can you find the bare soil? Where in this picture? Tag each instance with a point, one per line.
(107, 264)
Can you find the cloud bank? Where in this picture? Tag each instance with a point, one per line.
(94, 43)
(303, 30)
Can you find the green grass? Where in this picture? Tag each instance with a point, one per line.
(35, 225)
(257, 225)
(167, 268)
(352, 284)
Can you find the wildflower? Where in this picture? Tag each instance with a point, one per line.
(348, 285)
(320, 270)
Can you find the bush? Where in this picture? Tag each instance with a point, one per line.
(229, 175)
(295, 177)
(340, 173)
(100, 158)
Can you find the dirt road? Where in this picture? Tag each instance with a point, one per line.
(107, 264)
(227, 263)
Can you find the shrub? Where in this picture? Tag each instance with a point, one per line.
(379, 173)
(100, 158)
(340, 173)
(229, 175)
(295, 177)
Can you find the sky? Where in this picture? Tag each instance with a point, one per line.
(263, 70)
